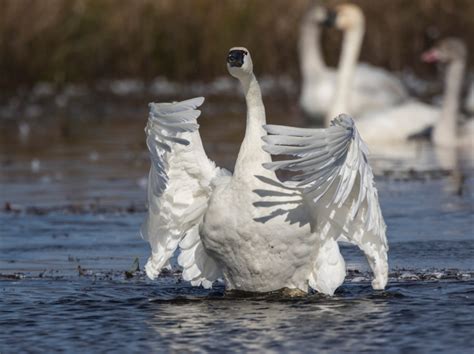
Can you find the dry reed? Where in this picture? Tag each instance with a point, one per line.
(85, 40)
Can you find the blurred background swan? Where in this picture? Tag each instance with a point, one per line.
(451, 128)
(399, 123)
(371, 88)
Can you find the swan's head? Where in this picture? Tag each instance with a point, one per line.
(445, 51)
(239, 62)
(345, 17)
(317, 15)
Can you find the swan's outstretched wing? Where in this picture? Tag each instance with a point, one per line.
(179, 187)
(338, 185)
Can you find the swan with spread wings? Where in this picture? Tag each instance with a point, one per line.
(249, 229)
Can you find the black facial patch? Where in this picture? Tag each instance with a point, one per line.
(236, 57)
(330, 20)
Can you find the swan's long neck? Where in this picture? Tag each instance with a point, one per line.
(251, 155)
(347, 64)
(445, 130)
(311, 61)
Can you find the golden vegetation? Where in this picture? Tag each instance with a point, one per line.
(86, 40)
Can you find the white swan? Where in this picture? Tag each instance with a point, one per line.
(397, 124)
(447, 130)
(372, 88)
(248, 228)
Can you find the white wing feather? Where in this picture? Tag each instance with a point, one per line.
(179, 187)
(338, 185)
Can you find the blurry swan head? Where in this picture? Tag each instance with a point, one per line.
(317, 15)
(345, 17)
(239, 62)
(445, 51)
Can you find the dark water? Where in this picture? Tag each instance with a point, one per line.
(102, 314)
(72, 202)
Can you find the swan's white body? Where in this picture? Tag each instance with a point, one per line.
(392, 124)
(257, 256)
(397, 124)
(465, 137)
(247, 228)
(460, 134)
(371, 89)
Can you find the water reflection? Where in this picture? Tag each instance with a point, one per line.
(141, 316)
(280, 325)
(422, 160)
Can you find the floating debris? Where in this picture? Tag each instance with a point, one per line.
(74, 209)
(133, 269)
(72, 259)
(354, 277)
(13, 276)
(12, 208)
(415, 175)
(81, 271)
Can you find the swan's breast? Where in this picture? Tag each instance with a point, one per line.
(257, 253)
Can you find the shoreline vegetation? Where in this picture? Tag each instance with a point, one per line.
(83, 41)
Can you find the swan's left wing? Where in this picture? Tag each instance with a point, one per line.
(337, 185)
(179, 187)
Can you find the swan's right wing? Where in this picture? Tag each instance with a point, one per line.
(338, 185)
(179, 187)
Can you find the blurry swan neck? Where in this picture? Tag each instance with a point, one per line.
(445, 130)
(251, 155)
(309, 47)
(347, 64)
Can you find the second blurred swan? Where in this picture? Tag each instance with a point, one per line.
(371, 88)
(399, 123)
(448, 130)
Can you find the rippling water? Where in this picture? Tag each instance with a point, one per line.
(72, 202)
(98, 315)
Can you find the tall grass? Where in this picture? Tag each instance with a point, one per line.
(85, 40)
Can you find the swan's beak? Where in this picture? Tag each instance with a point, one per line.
(330, 20)
(236, 58)
(430, 56)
